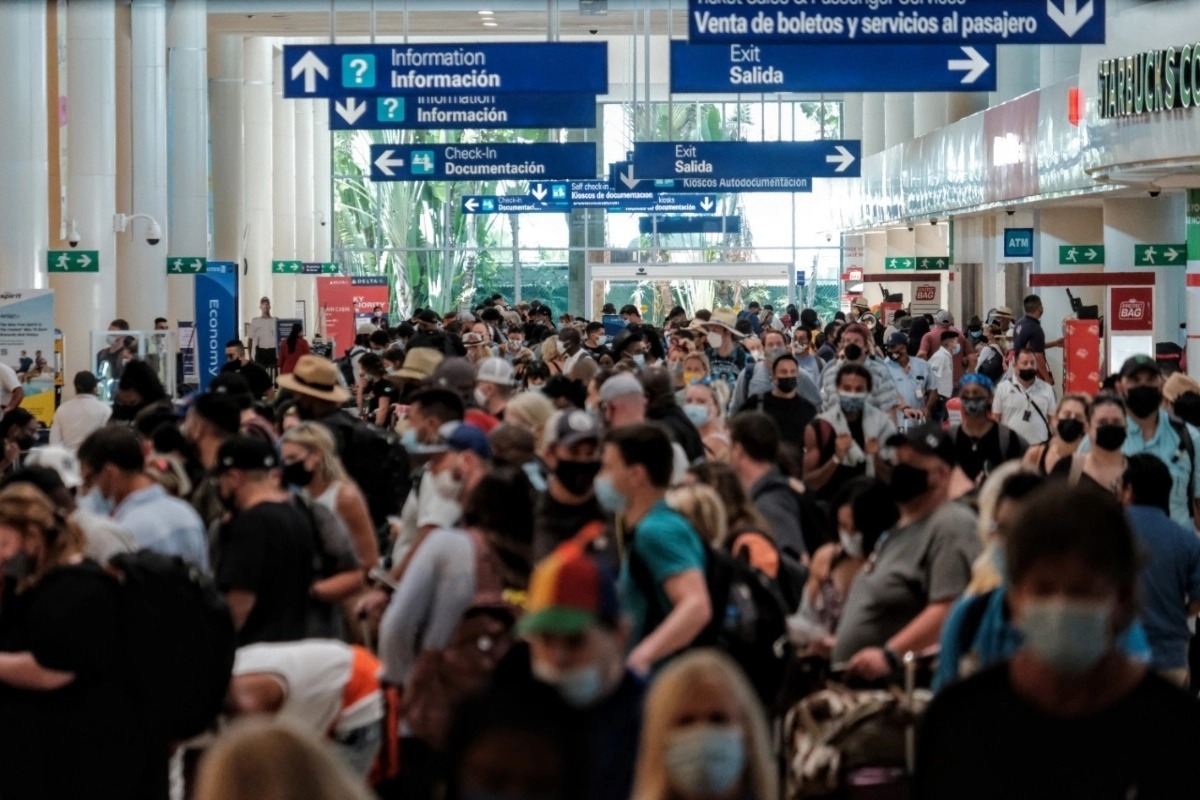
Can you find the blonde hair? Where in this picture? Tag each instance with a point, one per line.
(529, 410)
(316, 438)
(984, 577)
(550, 350)
(702, 507)
(25, 509)
(264, 759)
(690, 674)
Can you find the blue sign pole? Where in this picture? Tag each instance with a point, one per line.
(342, 70)
(216, 318)
(708, 68)
(965, 22)
(451, 112)
(468, 162)
(747, 166)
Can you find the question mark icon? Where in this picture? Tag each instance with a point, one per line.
(392, 104)
(358, 70)
(360, 67)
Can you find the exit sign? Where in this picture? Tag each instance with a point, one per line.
(1018, 242)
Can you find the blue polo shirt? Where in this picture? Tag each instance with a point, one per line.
(1169, 579)
(668, 545)
(164, 524)
(1170, 449)
(912, 384)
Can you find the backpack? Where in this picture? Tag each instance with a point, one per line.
(1181, 430)
(991, 364)
(345, 364)
(376, 461)
(749, 617)
(792, 576)
(441, 680)
(180, 641)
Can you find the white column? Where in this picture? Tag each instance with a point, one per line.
(187, 35)
(24, 165)
(256, 128)
(304, 199)
(283, 159)
(852, 116)
(87, 301)
(897, 118)
(142, 280)
(322, 200)
(930, 111)
(872, 122)
(225, 103)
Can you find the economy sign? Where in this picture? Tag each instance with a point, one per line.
(451, 111)
(470, 162)
(731, 68)
(352, 69)
(889, 22)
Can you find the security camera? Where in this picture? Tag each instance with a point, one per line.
(320, 215)
(1154, 191)
(593, 31)
(911, 226)
(1010, 211)
(153, 234)
(829, 237)
(933, 221)
(73, 235)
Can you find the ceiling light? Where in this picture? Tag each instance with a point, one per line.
(487, 23)
(485, 13)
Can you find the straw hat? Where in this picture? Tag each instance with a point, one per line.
(419, 363)
(315, 377)
(724, 318)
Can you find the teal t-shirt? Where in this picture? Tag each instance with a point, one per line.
(668, 545)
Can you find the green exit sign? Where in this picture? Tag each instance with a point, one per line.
(1081, 254)
(928, 263)
(900, 262)
(1160, 255)
(285, 267)
(187, 265)
(73, 261)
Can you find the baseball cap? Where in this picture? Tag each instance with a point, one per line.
(943, 317)
(59, 459)
(569, 592)
(1135, 364)
(930, 440)
(620, 385)
(495, 370)
(466, 437)
(429, 317)
(576, 426)
(897, 339)
(246, 452)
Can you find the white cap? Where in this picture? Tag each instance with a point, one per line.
(495, 370)
(59, 459)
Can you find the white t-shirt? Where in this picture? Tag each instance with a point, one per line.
(9, 383)
(942, 368)
(314, 674)
(422, 508)
(77, 418)
(1026, 411)
(264, 333)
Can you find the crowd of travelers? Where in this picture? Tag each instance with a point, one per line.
(503, 553)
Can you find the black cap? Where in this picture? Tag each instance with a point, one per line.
(1135, 364)
(429, 317)
(248, 453)
(930, 440)
(219, 409)
(897, 339)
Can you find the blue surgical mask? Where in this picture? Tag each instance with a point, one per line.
(607, 495)
(1069, 636)
(705, 760)
(97, 503)
(697, 413)
(1000, 562)
(580, 687)
(640, 359)
(852, 402)
(409, 439)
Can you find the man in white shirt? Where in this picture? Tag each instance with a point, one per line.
(1025, 402)
(264, 336)
(11, 393)
(78, 417)
(913, 381)
(941, 370)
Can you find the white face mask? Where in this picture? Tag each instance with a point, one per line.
(1069, 636)
(481, 397)
(715, 339)
(580, 687)
(449, 487)
(706, 760)
(852, 543)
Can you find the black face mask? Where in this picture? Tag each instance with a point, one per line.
(786, 385)
(1187, 407)
(1143, 400)
(1110, 437)
(296, 474)
(1069, 430)
(1027, 374)
(852, 352)
(908, 483)
(577, 476)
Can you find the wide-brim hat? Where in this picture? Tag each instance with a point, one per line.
(724, 318)
(419, 363)
(315, 377)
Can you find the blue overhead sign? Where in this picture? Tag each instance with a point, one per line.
(450, 111)
(561, 197)
(747, 166)
(889, 22)
(667, 225)
(708, 68)
(474, 162)
(1018, 242)
(343, 70)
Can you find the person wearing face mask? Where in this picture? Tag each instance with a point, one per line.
(808, 361)
(1027, 334)
(1181, 398)
(943, 322)
(593, 341)
(1070, 715)
(570, 450)
(1070, 426)
(919, 567)
(1024, 402)
(1101, 462)
(1152, 430)
(514, 345)
(662, 409)
(704, 403)
(570, 344)
(913, 380)
(941, 372)
(574, 642)
(757, 379)
(705, 735)
(783, 404)
(982, 443)
(493, 386)
(855, 343)
(845, 441)
(862, 510)
(18, 433)
(726, 359)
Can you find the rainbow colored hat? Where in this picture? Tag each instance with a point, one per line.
(569, 592)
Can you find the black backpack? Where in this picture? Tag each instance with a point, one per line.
(749, 618)
(180, 641)
(991, 365)
(345, 364)
(376, 461)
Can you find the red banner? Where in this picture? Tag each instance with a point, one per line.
(1131, 308)
(1081, 356)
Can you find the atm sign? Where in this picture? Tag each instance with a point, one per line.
(1131, 308)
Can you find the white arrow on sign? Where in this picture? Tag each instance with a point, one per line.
(197, 265)
(1171, 253)
(351, 111)
(844, 159)
(1091, 254)
(85, 261)
(470, 204)
(974, 65)
(538, 191)
(706, 203)
(1071, 17)
(310, 66)
(907, 263)
(628, 179)
(385, 162)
